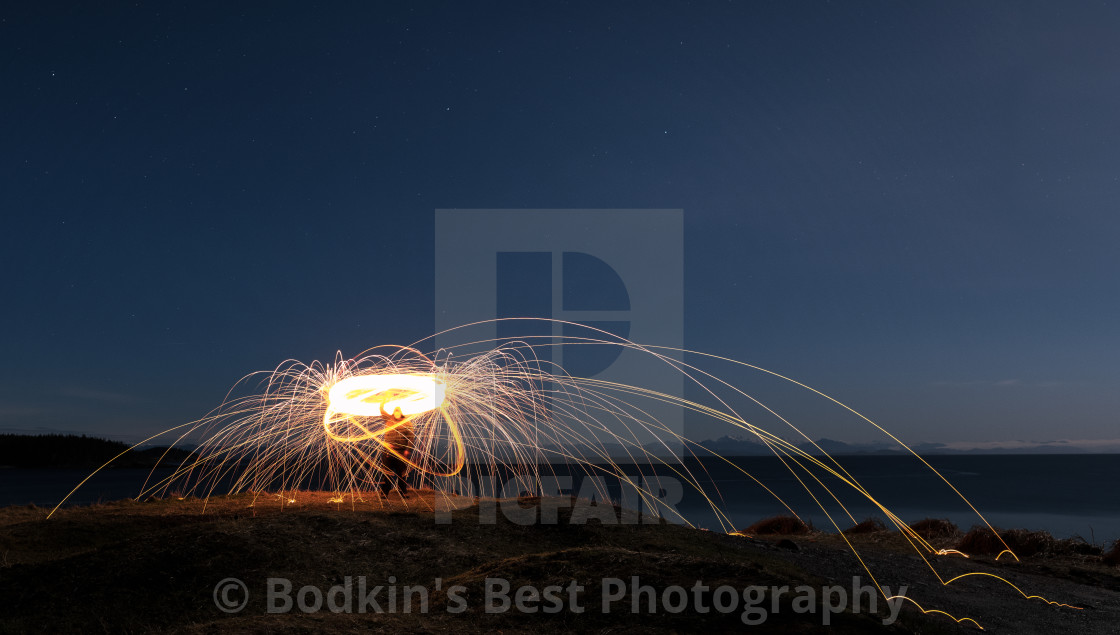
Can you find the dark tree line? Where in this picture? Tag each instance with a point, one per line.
(71, 450)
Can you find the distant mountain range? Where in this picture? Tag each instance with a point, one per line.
(741, 446)
(729, 446)
(57, 450)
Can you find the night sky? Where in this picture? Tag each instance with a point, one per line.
(911, 206)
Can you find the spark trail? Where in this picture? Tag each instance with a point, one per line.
(497, 406)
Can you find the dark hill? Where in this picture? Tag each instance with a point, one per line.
(71, 450)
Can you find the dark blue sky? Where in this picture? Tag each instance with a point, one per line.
(910, 206)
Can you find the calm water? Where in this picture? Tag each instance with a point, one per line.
(46, 487)
(1063, 494)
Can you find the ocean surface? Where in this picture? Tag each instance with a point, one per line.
(1066, 495)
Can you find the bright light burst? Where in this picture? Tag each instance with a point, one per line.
(503, 410)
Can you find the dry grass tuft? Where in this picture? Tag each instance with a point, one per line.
(981, 540)
(867, 526)
(779, 526)
(1112, 558)
(930, 528)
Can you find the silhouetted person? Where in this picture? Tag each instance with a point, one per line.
(400, 439)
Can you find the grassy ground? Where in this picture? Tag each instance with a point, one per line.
(153, 566)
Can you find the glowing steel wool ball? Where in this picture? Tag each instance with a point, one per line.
(378, 396)
(374, 395)
(359, 397)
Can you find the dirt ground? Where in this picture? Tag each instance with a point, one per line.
(160, 566)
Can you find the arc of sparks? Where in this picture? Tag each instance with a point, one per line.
(509, 408)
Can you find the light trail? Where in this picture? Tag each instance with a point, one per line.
(504, 409)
